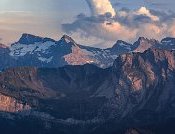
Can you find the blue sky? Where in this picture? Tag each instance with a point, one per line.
(45, 17)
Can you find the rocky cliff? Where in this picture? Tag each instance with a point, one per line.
(9, 104)
(137, 91)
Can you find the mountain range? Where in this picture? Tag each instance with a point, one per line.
(52, 87)
(37, 51)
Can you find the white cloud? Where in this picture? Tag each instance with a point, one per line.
(146, 12)
(124, 24)
(100, 7)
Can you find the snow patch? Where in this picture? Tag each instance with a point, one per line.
(166, 41)
(45, 59)
(21, 49)
(125, 46)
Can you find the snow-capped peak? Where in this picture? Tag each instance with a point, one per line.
(122, 46)
(31, 44)
(28, 39)
(121, 43)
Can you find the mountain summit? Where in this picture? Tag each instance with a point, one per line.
(28, 39)
(37, 51)
(143, 44)
(68, 39)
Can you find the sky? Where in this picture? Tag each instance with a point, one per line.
(90, 22)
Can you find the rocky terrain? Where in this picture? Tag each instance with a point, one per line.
(35, 51)
(9, 104)
(134, 95)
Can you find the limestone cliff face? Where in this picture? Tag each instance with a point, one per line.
(143, 70)
(79, 57)
(145, 81)
(9, 104)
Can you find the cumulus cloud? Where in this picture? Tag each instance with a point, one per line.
(107, 24)
(146, 12)
(100, 7)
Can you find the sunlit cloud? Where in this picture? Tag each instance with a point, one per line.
(146, 12)
(124, 24)
(105, 24)
(100, 7)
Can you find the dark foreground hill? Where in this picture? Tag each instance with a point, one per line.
(135, 95)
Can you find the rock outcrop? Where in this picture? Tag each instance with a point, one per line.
(138, 90)
(9, 104)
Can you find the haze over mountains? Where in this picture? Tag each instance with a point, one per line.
(63, 87)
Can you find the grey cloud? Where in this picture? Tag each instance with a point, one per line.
(141, 19)
(84, 22)
(164, 16)
(91, 25)
(86, 25)
(125, 9)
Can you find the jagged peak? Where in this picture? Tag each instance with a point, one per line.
(143, 44)
(121, 46)
(143, 39)
(150, 54)
(31, 39)
(120, 42)
(68, 39)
